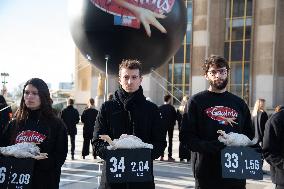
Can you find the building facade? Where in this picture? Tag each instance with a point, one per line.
(248, 33)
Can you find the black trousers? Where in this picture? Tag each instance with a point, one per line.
(72, 140)
(86, 147)
(170, 132)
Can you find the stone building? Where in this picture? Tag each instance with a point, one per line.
(249, 33)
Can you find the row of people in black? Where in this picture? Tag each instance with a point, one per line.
(130, 113)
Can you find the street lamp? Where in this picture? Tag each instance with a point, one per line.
(106, 80)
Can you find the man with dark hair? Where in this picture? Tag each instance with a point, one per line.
(88, 118)
(206, 113)
(70, 116)
(169, 117)
(129, 113)
(273, 147)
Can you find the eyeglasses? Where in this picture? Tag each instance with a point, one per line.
(221, 71)
(27, 93)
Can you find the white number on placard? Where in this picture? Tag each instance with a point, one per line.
(121, 165)
(116, 166)
(252, 164)
(232, 160)
(146, 166)
(133, 166)
(2, 174)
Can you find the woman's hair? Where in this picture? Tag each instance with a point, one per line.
(258, 106)
(44, 95)
(183, 103)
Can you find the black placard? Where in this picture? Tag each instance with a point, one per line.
(241, 163)
(16, 173)
(129, 165)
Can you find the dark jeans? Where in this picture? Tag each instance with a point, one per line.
(72, 140)
(170, 132)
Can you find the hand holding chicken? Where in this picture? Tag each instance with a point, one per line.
(125, 142)
(23, 150)
(234, 139)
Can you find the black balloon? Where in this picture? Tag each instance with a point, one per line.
(96, 36)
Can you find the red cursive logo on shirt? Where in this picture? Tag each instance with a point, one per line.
(30, 136)
(222, 114)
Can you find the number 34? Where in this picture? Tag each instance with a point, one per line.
(116, 166)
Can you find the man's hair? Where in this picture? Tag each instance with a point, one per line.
(279, 108)
(167, 98)
(92, 101)
(131, 64)
(215, 60)
(71, 101)
(110, 96)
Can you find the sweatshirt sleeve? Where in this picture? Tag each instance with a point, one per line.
(273, 143)
(158, 134)
(99, 145)
(247, 124)
(189, 132)
(62, 144)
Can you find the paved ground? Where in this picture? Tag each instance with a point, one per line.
(85, 174)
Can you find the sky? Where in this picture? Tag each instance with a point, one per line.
(35, 41)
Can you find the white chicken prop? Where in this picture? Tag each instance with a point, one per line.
(23, 150)
(125, 142)
(235, 139)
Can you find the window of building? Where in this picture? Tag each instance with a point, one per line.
(179, 65)
(237, 46)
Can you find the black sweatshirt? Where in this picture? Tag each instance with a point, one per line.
(273, 146)
(51, 135)
(205, 113)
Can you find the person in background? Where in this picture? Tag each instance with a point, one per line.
(273, 147)
(36, 118)
(207, 112)
(129, 113)
(184, 152)
(70, 116)
(259, 118)
(278, 108)
(88, 118)
(5, 113)
(110, 96)
(169, 117)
